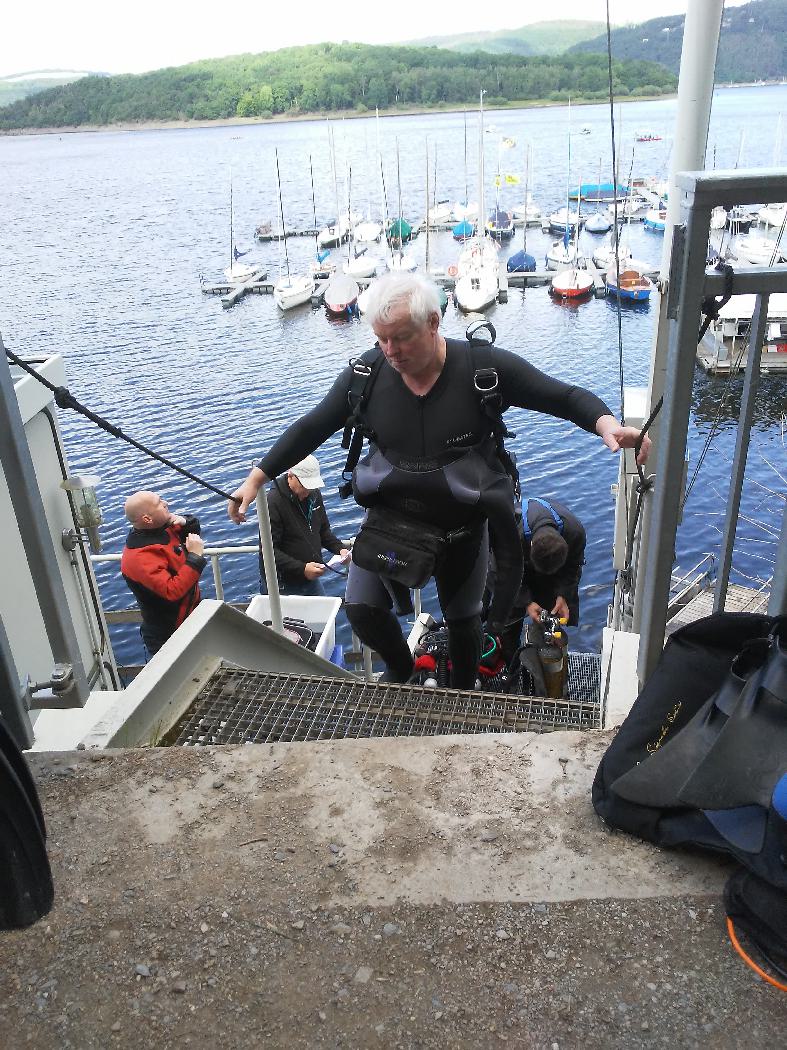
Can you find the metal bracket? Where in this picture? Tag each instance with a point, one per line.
(58, 694)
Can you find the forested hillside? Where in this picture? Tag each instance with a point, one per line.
(326, 78)
(752, 45)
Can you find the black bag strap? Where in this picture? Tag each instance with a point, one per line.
(365, 371)
(487, 386)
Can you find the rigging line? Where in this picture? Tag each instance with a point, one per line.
(616, 238)
(65, 399)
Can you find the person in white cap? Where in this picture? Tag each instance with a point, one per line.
(301, 530)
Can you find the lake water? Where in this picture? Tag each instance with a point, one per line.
(104, 237)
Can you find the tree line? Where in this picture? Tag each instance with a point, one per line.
(329, 77)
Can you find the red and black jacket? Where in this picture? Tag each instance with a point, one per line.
(164, 578)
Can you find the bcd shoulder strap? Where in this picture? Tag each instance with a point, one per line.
(487, 385)
(544, 503)
(365, 371)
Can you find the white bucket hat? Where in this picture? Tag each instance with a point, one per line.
(308, 473)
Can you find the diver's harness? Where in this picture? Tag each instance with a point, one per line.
(544, 503)
(485, 382)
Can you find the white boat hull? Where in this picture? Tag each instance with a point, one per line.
(477, 289)
(362, 266)
(292, 291)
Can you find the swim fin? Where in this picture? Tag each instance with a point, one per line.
(748, 759)
(656, 780)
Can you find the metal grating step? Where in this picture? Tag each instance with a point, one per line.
(251, 707)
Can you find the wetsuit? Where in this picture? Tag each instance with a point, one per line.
(300, 531)
(416, 463)
(164, 578)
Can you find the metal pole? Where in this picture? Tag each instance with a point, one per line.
(13, 709)
(695, 95)
(214, 560)
(686, 290)
(268, 559)
(756, 337)
(17, 464)
(777, 605)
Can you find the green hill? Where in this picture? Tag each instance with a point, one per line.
(541, 38)
(329, 77)
(752, 45)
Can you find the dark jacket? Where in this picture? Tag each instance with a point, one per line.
(546, 589)
(164, 578)
(300, 530)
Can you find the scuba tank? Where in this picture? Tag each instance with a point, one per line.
(552, 654)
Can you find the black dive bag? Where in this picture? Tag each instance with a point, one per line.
(400, 548)
(652, 781)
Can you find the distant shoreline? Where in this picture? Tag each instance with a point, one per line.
(351, 114)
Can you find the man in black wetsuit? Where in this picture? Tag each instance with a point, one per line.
(433, 457)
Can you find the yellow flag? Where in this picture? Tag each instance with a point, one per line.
(498, 181)
(512, 180)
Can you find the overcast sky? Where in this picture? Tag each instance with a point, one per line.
(104, 36)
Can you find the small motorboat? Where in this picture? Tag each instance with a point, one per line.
(631, 285)
(521, 262)
(341, 296)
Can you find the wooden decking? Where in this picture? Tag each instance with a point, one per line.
(739, 599)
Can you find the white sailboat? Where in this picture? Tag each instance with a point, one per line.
(477, 281)
(237, 270)
(358, 263)
(290, 289)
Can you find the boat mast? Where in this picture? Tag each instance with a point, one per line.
(426, 257)
(232, 238)
(281, 214)
(314, 212)
(399, 195)
(527, 202)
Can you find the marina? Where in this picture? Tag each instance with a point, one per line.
(250, 834)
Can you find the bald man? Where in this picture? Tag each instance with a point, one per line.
(161, 563)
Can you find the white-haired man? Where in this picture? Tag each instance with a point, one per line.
(434, 462)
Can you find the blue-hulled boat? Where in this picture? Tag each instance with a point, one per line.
(598, 192)
(656, 219)
(521, 262)
(631, 285)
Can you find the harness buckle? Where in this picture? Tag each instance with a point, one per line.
(485, 380)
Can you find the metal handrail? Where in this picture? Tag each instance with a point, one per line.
(214, 553)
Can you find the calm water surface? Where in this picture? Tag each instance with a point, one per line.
(104, 237)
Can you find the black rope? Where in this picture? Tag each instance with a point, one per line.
(645, 484)
(712, 306)
(65, 399)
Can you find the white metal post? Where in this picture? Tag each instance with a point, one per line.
(268, 560)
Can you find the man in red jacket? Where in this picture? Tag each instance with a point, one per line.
(161, 563)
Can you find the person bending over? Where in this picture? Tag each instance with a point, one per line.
(433, 459)
(162, 562)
